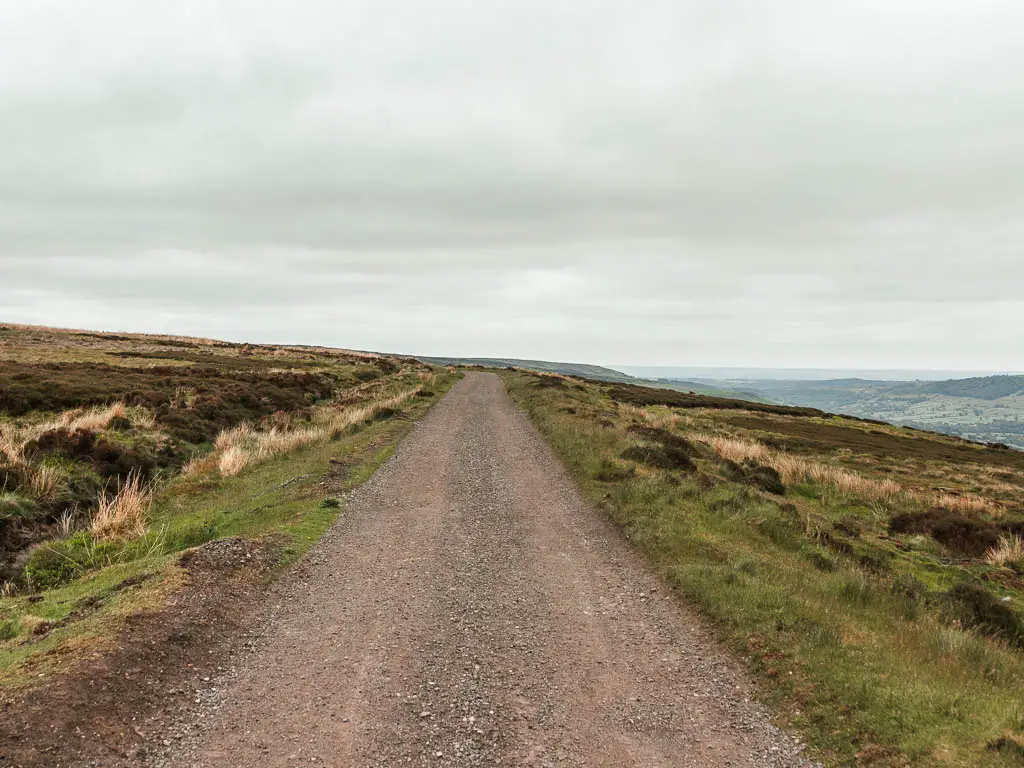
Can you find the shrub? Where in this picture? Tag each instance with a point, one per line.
(967, 535)
(663, 457)
(908, 586)
(1009, 746)
(545, 381)
(56, 563)
(610, 472)
(666, 438)
(975, 606)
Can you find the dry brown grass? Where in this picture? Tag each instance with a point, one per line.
(794, 469)
(664, 418)
(1009, 551)
(199, 464)
(14, 437)
(233, 461)
(93, 419)
(244, 445)
(12, 446)
(797, 469)
(334, 420)
(45, 483)
(967, 503)
(123, 514)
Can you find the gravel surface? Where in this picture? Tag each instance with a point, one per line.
(468, 609)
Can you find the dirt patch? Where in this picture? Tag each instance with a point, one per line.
(827, 438)
(226, 556)
(114, 705)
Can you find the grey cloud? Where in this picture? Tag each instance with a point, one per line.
(678, 182)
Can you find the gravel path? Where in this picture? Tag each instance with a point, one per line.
(468, 609)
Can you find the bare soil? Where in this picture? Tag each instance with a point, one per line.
(468, 609)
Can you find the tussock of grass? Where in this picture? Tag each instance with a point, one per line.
(123, 514)
(1009, 551)
(90, 418)
(12, 449)
(233, 460)
(44, 482)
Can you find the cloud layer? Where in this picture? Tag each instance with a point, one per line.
(680, 183)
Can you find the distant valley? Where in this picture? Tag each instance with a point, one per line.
(988, 409)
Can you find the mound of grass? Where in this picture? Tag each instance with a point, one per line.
(662, 457)
(957, 532)
(974, 606)
(761, 476)
(14, 506)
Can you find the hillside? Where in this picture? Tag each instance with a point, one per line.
(583, 370)
(986, 409)
(119, 452)
(870, 576)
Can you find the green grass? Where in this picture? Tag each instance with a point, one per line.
(868, 672)
(280, 498)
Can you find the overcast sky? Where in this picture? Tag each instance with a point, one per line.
(814, 183)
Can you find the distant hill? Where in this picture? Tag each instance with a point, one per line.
(594, 373)
(980, 388)
(582, 370)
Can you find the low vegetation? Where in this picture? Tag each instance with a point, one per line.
(144, 447)
(870, 576)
